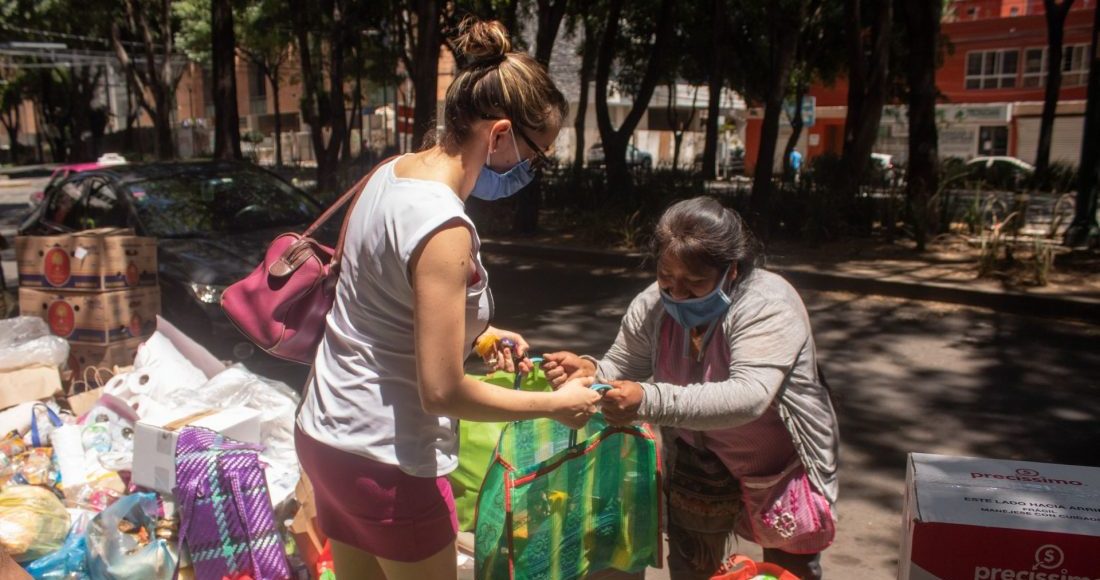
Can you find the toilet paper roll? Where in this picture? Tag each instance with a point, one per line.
(69, 447)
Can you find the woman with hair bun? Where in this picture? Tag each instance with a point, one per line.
(377, 428)
(720, 353)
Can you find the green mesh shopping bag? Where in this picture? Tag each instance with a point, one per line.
(557, 504)
(477, 441)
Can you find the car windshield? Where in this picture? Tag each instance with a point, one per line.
(185, 206)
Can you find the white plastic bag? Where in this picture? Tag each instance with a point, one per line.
(26, 341)
(277, 404)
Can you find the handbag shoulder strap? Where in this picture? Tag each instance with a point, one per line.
(352, 195)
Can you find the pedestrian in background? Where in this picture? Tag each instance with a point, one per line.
(720, 353)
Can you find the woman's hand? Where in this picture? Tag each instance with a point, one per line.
(563, 366)
(622, 401)
(509, 349)
(576, 402)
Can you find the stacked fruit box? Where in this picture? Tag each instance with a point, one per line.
(96, 288)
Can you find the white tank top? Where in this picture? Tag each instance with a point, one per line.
(363, 397)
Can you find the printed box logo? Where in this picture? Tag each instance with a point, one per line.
(1026, 475)
(133, 275)
(57, 267)
(1048, 557)
(1048, 561)
(61, 317)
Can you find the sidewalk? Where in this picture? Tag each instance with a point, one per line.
(913, 277)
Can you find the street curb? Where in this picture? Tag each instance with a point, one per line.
(1006, 301)
(14, 182)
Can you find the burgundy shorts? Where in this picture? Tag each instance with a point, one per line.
(376, 507)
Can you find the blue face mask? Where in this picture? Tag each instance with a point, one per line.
(695, 312)
(492, 186)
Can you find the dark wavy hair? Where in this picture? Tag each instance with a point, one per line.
(702, 233)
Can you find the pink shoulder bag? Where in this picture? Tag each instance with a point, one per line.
(282, 304)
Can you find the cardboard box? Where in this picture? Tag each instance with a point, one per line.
(155, 440)
(103, 259)
(987, 519)
(95, 317)
(28, 384)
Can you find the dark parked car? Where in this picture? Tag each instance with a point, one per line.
(213, 222)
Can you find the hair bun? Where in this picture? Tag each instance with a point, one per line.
(481, 43)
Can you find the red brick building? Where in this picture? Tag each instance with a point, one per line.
(992, 81)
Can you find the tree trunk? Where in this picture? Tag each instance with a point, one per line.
(615, 140)
(82, 85)
(163, 126)
(867, 85)
(784, 42)
(797, 123)
(1056, 13)
(425, 73)
(550, 16)
(128, 133)
(12, 127)
(714, 86)
(356, 108)
(337, 112)
(1085, 230)
(678, 128)
(322, 108)
(588, 63)
(150, 79)
(274, 78)
(923, 178)
(227, 122)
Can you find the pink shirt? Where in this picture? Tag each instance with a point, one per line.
(758, 448)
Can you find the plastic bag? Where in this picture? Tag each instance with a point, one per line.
(68, 563)
(557, 504)
(11, 447)
(277, 404)
(33, 522)
(123, 543)
(476, 442)
(108, 434)
(26, 341)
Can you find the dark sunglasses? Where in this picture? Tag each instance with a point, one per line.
(541, 160)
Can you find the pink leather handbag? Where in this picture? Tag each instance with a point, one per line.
(282, 304)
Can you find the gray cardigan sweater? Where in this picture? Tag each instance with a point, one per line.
(771, 356)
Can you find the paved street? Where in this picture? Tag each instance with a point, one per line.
(907, 376)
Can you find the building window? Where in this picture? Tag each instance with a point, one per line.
(1075, 66)
(992, 69)
(257, 86)
(993, 140)
(257, 91)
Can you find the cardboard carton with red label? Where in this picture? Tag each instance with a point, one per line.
(103, 259)
(99, 318)
(988, 519)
